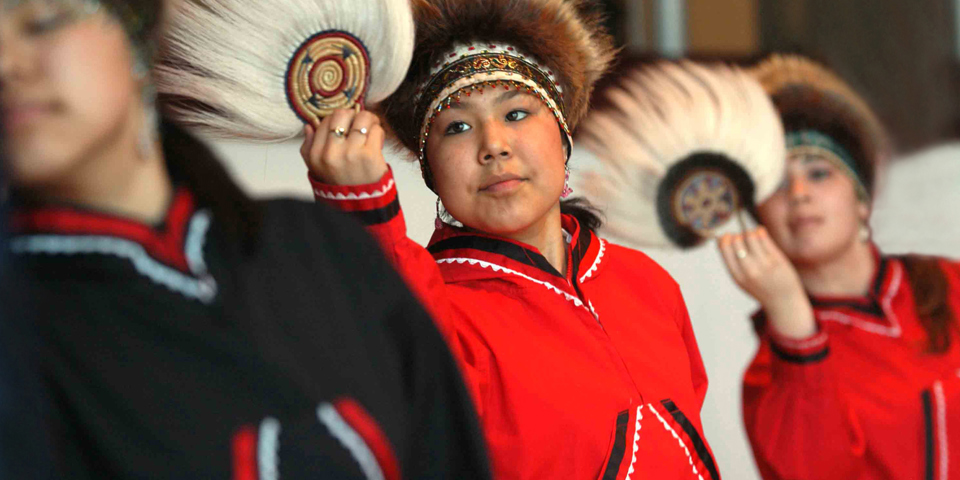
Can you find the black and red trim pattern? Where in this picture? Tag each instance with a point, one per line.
(371, 204)
(809, 350)
(271, 451)
(619, 447)
(695, 440)
(169, 254)
(165, 243)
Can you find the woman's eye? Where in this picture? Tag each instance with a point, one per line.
(455, 128)
(818, 174)
(48, 23)
(516, 115)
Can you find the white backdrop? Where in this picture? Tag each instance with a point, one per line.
(918, 210)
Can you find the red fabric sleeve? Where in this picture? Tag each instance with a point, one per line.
(377, 206)
(698, 374)
(799, 423)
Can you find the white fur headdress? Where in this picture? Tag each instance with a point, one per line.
(682, 148)
(259, 69)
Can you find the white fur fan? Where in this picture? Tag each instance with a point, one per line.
(259, 69)
(680, 136)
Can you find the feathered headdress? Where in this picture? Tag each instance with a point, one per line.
(259, 69)
(555, 49)
(682, 148)
(819, 110)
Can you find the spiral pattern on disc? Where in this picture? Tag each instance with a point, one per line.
(329, 71)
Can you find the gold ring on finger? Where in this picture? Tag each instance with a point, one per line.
(339, 132)
(361, 131)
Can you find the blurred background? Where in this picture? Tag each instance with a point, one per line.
(903, 57)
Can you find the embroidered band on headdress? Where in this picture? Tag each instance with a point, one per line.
(813, 141)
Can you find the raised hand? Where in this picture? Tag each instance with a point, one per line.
(761, 269)
(346, 148)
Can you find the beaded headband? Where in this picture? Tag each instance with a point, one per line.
(475, 67)
(813, 141)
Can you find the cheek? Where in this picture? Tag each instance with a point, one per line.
(452, 166)
(97, 89)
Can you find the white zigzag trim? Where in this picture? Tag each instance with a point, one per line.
(203, 288)
(636, 440)
(679, 441)
(892, 331)
(353, 196)
(596, 263)
(268, 447)
(351, 440)
(497, 268)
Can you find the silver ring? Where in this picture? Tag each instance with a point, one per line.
(339, 132)
(361, 131)
(741, 254)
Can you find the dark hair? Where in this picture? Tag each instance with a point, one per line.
(587, 215)
(930, 288)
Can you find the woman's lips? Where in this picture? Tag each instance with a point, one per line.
(503, 183)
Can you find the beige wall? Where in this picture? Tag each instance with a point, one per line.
(723, 26)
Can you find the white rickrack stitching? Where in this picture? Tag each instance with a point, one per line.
(351, 440)
(679, 441)
(894, 331)
(819, 339)
(353, 196)
(596, 263)
(636, 441)
(596, 316)
(942, 430)
(268, 447)
(203, 288)
(497, 268)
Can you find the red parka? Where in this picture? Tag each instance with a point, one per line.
(862, 398)
(594, 374)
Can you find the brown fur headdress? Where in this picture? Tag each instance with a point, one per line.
(562, 37)
(808, 96)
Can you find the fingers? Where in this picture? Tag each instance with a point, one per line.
(730, 260)
(360, 130)
(756, 249)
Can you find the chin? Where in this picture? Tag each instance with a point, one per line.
(815, 252)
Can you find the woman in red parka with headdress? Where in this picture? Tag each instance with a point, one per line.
(579, 353)
(857, 372)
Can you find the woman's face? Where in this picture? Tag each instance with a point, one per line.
(816, 214)
(67, 89)
(497, 160)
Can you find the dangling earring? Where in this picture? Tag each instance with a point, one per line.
(149, 131)
(566, 184)
(438, 223)
(864, 233)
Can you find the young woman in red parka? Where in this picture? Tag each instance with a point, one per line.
(579, 353)
(857, 372)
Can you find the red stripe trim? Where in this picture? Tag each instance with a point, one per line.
(244, 450)
(365, 426)
(165, 244)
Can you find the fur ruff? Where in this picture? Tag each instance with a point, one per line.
(566, 35)
(809, 96)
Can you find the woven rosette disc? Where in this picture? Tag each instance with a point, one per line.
(704, 201)
(330, 70)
